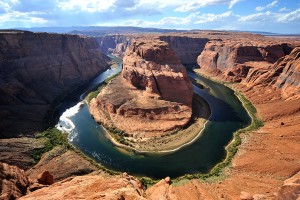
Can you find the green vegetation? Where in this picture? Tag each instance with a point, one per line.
(51, 137)
(196, 83)
(147, 182)
(217, 172)
(96, 91)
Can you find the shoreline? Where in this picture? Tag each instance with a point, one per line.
(181, 145)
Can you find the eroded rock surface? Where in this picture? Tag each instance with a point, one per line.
(92, 187)
(152, 96)
(37, 69)
(13, 182)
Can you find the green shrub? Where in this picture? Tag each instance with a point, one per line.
(52, 137)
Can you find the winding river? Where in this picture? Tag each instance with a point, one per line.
(228, 115)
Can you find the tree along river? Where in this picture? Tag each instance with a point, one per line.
(228, 115)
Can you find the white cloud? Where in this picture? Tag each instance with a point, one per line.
(193, 18)
(293, 16)
(90, 6)
(284, 9)
(271, 5)
(209, 18)
(196, 4)
(16, 17)
(258, 17)
(233, 2)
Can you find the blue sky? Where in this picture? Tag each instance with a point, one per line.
(279, 16)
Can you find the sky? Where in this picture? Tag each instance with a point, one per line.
(277, 16)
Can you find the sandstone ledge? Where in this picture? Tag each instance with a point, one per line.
(146, 120)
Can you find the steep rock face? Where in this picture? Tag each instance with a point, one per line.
(289, 79)
(115, 44)
(153, 92)
(234, 58)
(186, 48)
(283, 75)
(155, 68)
(13, 182)
(36, 69)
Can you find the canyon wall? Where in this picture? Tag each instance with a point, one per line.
(115, 44)
(38, 68)
(187, 48)
(253, 63)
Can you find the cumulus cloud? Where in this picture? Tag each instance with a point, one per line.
(85, 5)
(271, 5)
(258, 17)
(293, 16)
(16, 18)
(193, 18)
(196, 4)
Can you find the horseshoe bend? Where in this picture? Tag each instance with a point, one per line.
(151, 101)
(222, 108)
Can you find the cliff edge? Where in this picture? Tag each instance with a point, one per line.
(153, 96)
(36, 69)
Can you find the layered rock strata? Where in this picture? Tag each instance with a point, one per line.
(153, 95)
(187, 48)
(38, 68)
(115, 44)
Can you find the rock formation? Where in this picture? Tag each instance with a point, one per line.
(290, 188)
(187, 48)
(92, 187)
(13, 182)
(115, 44)
(37, 69)
(234, 58)
(153, 92)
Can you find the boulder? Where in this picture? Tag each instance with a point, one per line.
(13, 182)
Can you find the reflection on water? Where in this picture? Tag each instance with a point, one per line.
(228, 115)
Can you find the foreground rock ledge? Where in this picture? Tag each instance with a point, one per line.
(152, 97)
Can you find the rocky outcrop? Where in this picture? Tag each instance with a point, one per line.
(187, 48)
(45, 178)
(13, 182)
(290, 188)
(289, 80)
(154, 67)
(154, 92)
(36, 70)
(283, 75)
(115, 44)
(234, 59)
(92, 187)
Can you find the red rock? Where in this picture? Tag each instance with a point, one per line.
(154, 93)
(38, 68)
(246, 196)
(45, 178)
(13, 182)
(290, 189)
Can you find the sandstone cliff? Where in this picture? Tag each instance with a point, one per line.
(115, 44)
(38, 68)
(154, 92)
(234, 58)
(283, 75)
(187, 48)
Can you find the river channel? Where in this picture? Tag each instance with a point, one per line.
(228, 115)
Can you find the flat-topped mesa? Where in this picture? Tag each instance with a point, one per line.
(154, 67)
(152, 97)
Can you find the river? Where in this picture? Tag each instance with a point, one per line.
(228, 115)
